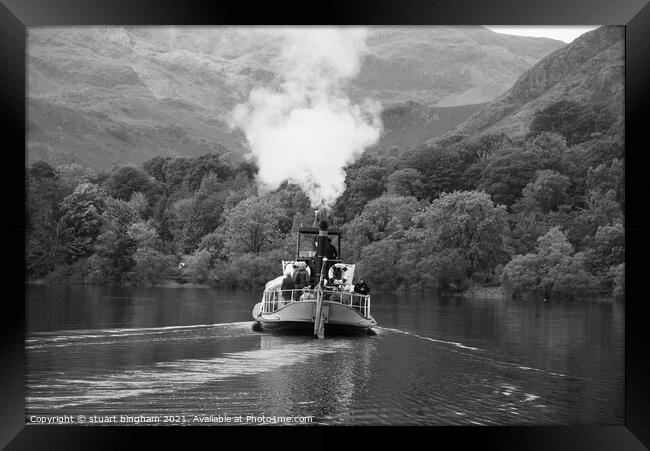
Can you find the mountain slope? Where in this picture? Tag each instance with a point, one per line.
(411, 124)
(106, 96)
(445, 66)
(589, 71)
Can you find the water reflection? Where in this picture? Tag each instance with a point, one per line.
(330, 386)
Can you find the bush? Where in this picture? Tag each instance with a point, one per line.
(248, 271)
(77, 272)
(197, 266)
(617, 276)
(575, 121)
(447, 270)
(378, 264)
(554, 269)
(153, 267)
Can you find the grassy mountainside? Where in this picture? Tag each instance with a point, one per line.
(411, 124)
(589, 71)
(106, 96)
(446, 66)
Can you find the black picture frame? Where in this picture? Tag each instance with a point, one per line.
(16, 15)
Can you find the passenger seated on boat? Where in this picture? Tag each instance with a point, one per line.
(335, 297)
(307, 295)
(287, 287)
(327, 290)
(300, 275)
(346, 296)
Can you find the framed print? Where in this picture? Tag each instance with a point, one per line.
(428, 215)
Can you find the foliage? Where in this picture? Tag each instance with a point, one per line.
(581, 224)
(468, 222)
(362, 184)
(445, 270)
(378, 261)
(405, 182)
(72, 175)
(152, 267)
(249, 271)
(607, 250)
(546, 193)
(114, 247)
(576, 122)
(197, 266)
(441, 169)
(616, 277)
(252, 226)
(505, 175)
(82, 219)
(139, 204)
(144, 235)
(213, 243)
(192, 218)
(553, 270)
(44, 192)
(293, 201)
(607, 177)
(380, 218)
(126, 180)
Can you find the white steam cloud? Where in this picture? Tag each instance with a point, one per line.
(305, 130)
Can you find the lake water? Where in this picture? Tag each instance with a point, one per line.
(103, 351)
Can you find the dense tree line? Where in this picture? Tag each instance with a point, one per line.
(543, 214)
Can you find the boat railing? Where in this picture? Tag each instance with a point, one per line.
(273, 300)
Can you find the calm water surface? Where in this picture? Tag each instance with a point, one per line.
(434, 360)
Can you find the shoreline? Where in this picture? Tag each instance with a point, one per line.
(168, 284)
(476, 292)
(487, 293)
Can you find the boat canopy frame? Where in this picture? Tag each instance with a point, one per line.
(306, 244)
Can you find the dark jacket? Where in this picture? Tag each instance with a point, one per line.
(287, 284)
(361, 287)
(332, 253)
(301, 278)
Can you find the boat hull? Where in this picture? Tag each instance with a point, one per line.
(298, 318)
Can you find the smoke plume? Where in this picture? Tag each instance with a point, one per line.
(305, 129)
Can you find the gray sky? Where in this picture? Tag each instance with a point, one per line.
(561, 32)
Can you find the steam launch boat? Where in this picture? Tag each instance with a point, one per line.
(316, 293)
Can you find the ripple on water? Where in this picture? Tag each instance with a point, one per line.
(368, 380)
(183, 374)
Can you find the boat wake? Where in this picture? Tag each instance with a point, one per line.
(139, 329)
(80, 337)
(168, 377)
(470, 348)
(453, 343)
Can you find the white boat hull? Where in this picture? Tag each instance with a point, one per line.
(299, 317)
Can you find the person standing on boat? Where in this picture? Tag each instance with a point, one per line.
(312, 275)
(300, 276)
(288, 284)
(332, 253)
(361, 287)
